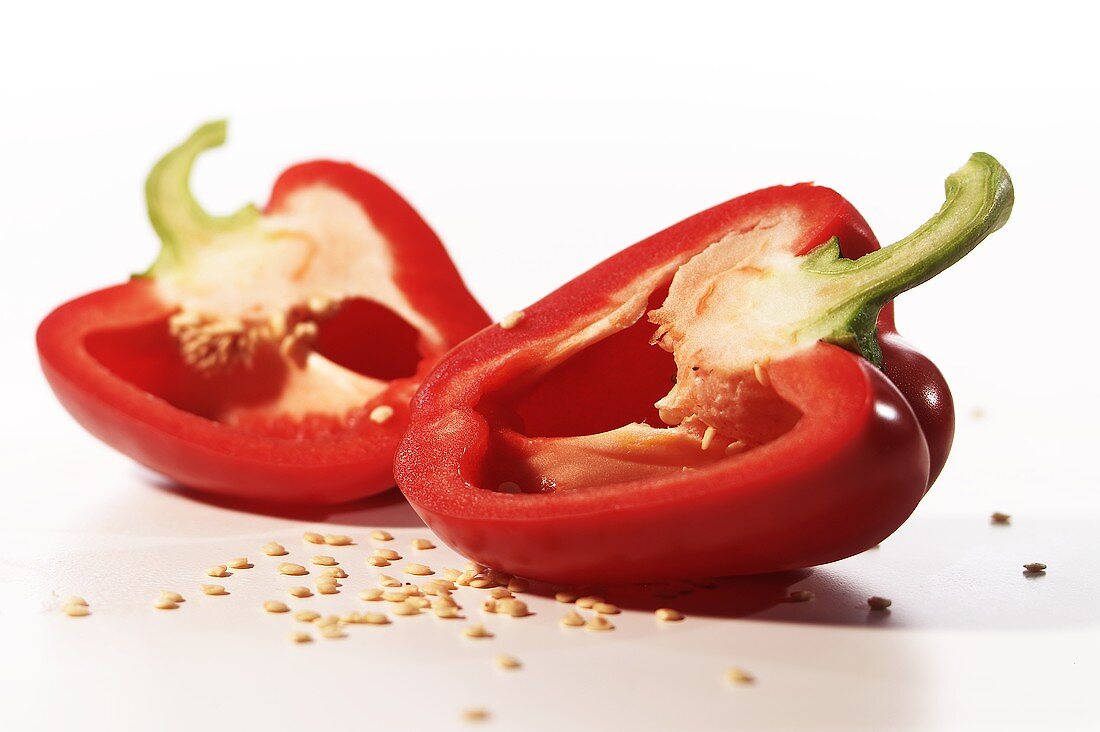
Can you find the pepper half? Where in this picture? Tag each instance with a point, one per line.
(268, 355)
(726, 397)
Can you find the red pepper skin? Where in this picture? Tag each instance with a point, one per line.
(213, 457)
(844, 478)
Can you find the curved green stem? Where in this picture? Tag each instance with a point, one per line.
(176, 216)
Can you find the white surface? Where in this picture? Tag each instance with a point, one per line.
(537, 143)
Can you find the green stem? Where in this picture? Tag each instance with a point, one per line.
(179, 220)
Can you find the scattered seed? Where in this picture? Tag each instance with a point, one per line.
(76, 600)
(476, 631)
(445, 611)
(299, 636)
(214, 590)
(274, 549)
(375, 619)
(419, 570)
(395, 596)
(324, 560)
(451, 574)
(759, 370)
(275, 606)
(878, 603)
(306, 616)
(313, 537)
(475, 714)
(405, 608)
(332, 632)
(515, 608)
(381, 414)
(588, 602)
(511, 320)
(740, 676)
(379, 535)
(567, 597)
(800, 596)
(489, 606)
(422, 544)
(322, 621)
(1000, 518)
(509, 663)
(337, 539)
(329, 587)
(1035, 567)
(599, 622)
(294, 570)
(708, 437)
(75, 609)
(386, 581)
(378, 562)
(606, 608)
(372, 594)
(475, 567)
(239, 563)
(389, 554)
(668, 615)
(217, 571)
(735, 447)
(482, 583)
(518, 584)
(163, 603)
(334, 572)
(300, 592)
(572, 619)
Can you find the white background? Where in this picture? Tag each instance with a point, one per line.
(537, 142)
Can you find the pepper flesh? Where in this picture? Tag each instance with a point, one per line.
(788, 453)
(247, 361)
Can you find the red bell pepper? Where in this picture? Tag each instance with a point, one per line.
(714, 400)
(268, 355)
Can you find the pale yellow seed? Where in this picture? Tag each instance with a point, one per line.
(708, 437)
(239, 563)
(214, 590)
(337, 539)
(395, 596)
(405, 608)
(518, 584)
(163, 603)
(351, 618)
(171, 596)
(476, 631)
(445, 611)
(572, 619)
(386, 581)
(475, 567)
(422, 544)
(800, 596)
(328, 588)
(512, 319)
(300, 592)
(389, 554)
(508, 663)
(335, 573)
(588, 602)
(275, 606)
(878, 603)
(444, 601)
(464, 579)
(332, 632)
(668, 615)
(599, 622)
(381, 414)
(380, 535)
(515, 608)
(475, 714)
(324, 560)
(735, 447)
(299, 636)
(1000, 518)
(217, 571)
(313, 537)
(378, 562)
(371, 595)
(419, 570)
(294, 570)
(375, 619)
(489, 606)
(274, 549)
(420, 603)
(75, 610)
(327, 620)
(737, 675)
(566, 597)
(606, 608)
(760, 371)
(76, 600)
(500, 592)
(481, 583)
(306, 616)
(1035, 567)
(450, 573)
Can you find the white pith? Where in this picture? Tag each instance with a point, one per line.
(265, 285)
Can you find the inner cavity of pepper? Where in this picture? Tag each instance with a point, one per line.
(664, 391)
